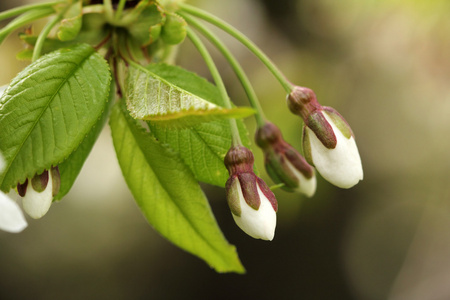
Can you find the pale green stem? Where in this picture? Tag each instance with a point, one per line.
(234, 64)
(23, 20)
(120, 9)
(94, 9)
(241, 38)
(26, 8)
(236, 139)
(44, 33)
(109, 11)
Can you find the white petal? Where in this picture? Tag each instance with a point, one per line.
(341, 166)
(11, 216)
(306, 186)
(259, 224)
(35, 204)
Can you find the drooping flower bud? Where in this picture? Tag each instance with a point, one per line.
(283, 163)
(252, 203)
(328, 141)
(38, 192)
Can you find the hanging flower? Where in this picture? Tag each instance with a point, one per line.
(252, 203)
(38, 192)
(283, 163)
(328, 141)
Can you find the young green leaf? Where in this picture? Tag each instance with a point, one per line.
(174, 29)
(202, 147)
(71, 167)
(168, 194)
(48, 109)
(147, 27)
(71, 24)
(151, 97)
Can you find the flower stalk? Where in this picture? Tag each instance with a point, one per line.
(248, 88)
(241, 38)
(236, 139)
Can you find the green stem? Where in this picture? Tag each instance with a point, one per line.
(236, 139)
(109, 11)
(241, 38)
(44, 33)
(234, 64)
(93, 9)
(26, 8)
(24, 19)
(120, 9)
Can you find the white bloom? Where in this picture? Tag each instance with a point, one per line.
(283, 163)
(11, 216)
(36, 204)
(341, 165)
(252, 203)
(260, 223)
(328, 141)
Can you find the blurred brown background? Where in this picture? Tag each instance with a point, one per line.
(385, 66)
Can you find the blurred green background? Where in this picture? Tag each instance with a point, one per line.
(385, 66)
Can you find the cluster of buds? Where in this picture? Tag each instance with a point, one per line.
(283, 163)
(38, 192)
(252, 203)
(328, 141)
(328, 145)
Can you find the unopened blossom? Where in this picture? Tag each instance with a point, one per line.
(283, 163)
(38, 192)
(252, 203)
(328, 141)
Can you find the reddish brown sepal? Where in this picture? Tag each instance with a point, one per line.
(249, 189)
(268, 193)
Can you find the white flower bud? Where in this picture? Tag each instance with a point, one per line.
(11, 216)
(283, 163)
(252, 203)
(340, 165)
(38, 197)
(306, 186)
(258, 223)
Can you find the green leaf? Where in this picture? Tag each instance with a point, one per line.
(48, 109)
(50, 45)
(71, 167)
(168, 194)
(147, 27)
(71, 24)
(202, 147)
(174, 29)
(151, 97)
